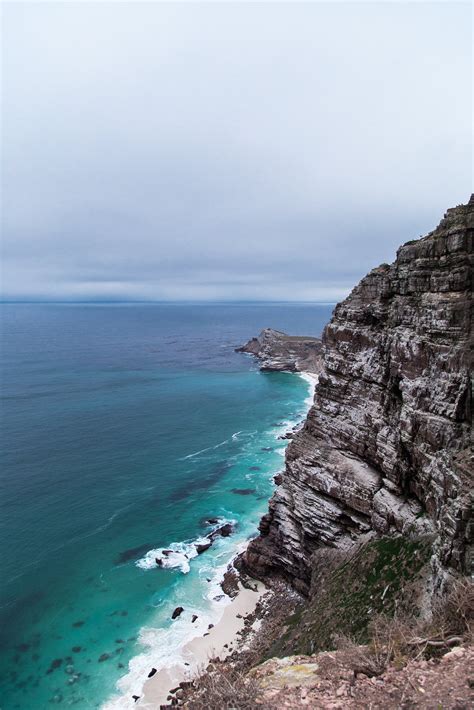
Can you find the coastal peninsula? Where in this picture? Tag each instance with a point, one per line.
(279, 352)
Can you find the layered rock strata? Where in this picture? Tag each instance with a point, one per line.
(278, 351)
(386, 446)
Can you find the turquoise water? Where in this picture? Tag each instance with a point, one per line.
(124, 428)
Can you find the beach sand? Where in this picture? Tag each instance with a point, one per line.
(201, 649)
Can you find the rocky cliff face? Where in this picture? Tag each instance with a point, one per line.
(385, 447)
(280, 352)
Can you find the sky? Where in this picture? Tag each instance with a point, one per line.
(226, 151)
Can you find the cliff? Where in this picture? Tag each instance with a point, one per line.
(280, 352)
(385, 447)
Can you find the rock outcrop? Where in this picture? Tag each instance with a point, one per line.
(278, 351)
(385, 447)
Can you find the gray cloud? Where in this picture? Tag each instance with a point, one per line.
(226, 151)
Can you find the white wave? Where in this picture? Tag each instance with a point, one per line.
(162, 648)
(203, 451)
(312, 380)
(178, 554)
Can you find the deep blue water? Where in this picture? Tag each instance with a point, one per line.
(123, 427)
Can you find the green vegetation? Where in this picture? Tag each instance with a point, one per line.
(347, 594)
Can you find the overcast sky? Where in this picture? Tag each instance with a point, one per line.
(226, 151)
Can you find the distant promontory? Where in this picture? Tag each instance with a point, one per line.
(279, 352)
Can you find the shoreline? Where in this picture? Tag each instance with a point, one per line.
(219, 641)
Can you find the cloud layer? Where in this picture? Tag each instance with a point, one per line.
(226, 151)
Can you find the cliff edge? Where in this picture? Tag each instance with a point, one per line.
(385, 448)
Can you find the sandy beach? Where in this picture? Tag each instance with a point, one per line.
(219, 641)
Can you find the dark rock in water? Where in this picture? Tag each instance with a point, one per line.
(135, 698)
(278, 479)
(159, 561)
(226, 530)
(243, 491)
(166, 553)
(255, 468)
(223, 531)
(119, 641)
(212, 521)
(120, 665)
(195, 616)
(77, 624)
(203, 547)
(152, 673)
(76, 649)
(56, 663)
(177, 612)
(211, 626)
(104, 657)
(132, 553)
(266, 448)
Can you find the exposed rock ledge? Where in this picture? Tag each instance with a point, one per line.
(278, 351)
(385, 447)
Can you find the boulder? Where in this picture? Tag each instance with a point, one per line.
(202, 547)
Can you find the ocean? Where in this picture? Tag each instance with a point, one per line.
(125, 427)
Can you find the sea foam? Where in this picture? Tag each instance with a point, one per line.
(179, 554)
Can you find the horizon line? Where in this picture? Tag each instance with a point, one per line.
(161, 303)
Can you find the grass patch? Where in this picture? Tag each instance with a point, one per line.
(348, 594)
